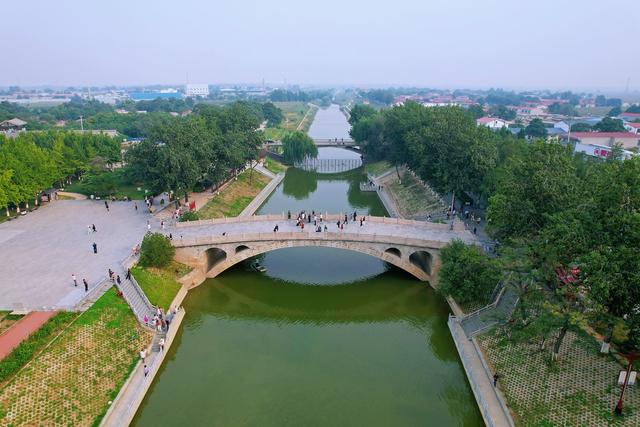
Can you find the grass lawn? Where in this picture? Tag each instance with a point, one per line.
(580, 389)
(293, 113)
(274, 166)
(160, 284)
(235, 197)
(412, 198)
(377, 168)
(72, 380)
(29, 347)
(123, 187)
(275, 134)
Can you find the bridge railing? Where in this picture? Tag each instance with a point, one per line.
(458, 225)
(306, 236)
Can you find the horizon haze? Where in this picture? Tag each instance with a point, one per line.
(495, 43)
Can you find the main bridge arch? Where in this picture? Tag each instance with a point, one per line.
(210, 260)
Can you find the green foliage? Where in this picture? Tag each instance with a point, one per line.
(156, 250)
(28, 348)
(272, 114)
(580, 127)
(159, 285)
(34, 161)
(189, 216)
(531, 187)
(476, 111)
(201, 149)
(502, 112)
(536, 129)
(359, 112)
(565, 108)
(467, 274)
(635, 108)
(297, 146)
(609, 125)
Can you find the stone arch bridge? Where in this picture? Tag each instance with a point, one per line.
(212, 246)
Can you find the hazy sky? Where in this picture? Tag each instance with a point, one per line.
(578, 44)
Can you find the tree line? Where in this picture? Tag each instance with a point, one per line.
(552, 212)
(201, 149)
(32, 162)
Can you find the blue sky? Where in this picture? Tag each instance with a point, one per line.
(557, 44)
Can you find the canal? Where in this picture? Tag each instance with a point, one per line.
(325, 337)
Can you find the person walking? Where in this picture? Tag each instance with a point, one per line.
(161, 344)
(128, 276)
(93, 228)
(86, 285)
(276, 228)
(146, 320)
(148, 225)
(145, 370)
(75, 279)
(143, 354)
(162, 224)
(95, 248)
(111, 275)
(135, 205)
(88, 230)
(106, 205)
(288, 214)
(118, 281)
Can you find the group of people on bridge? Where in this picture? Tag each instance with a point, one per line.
(318, 221)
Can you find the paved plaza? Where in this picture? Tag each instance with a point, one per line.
(41, 251)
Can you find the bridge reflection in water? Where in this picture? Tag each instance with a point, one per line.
(329, 165)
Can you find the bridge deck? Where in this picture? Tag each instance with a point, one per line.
(373, 228)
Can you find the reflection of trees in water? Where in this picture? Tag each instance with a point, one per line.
(460, 401)
(299, 184)
(391, 296)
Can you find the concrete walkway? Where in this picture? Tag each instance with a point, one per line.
(22, 329)
(132, 393)
(489, 399)
(41, 251)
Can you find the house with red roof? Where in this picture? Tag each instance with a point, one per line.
(629, 116)
(633, 127)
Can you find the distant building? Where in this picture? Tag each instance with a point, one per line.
(600, 151)
(193, 89)
(492, 122)
(626, 140)
(150, 96)
(632, 127)
(12, 126)
(629, 116)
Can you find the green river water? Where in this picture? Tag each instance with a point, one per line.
(325, 337)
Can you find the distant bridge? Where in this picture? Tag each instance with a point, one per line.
(212, 246)
(335, 142)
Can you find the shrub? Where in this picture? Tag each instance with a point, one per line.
(189, 216)
(156, 250)
(467, 274)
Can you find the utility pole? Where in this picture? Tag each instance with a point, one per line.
(630, 358)
(81, 124)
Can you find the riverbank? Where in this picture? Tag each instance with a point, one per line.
(410, 197)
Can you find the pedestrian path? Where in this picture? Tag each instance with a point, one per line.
(497, 312)
(22, 329)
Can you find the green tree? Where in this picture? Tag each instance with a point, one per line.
(476, 111)
(565, 109)
(502, 112)
(609, 125)
(536, 129)
(580, 127)
(297, 146)
(467, 274)
(530, 187)
(156, 250)
(360, 112)
(272, 114)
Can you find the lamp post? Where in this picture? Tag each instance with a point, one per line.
(630, 358)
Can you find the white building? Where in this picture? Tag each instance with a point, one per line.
(492, 122)
(193, 89)
(599, 151)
